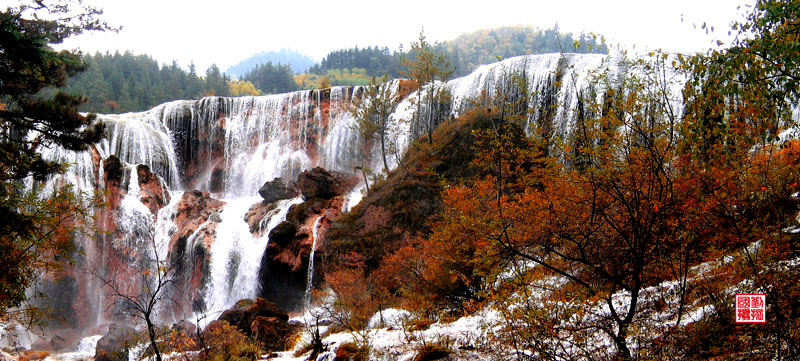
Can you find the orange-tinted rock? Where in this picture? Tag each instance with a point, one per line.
(153, 192)
(195, 210)
(256, 214)
(283, 273)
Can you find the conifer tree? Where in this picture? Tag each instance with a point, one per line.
(35, 230)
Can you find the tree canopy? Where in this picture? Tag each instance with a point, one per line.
(36, 228)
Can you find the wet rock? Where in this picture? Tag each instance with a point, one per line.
(153, 191)
(284, 265)
(283, 233)
(256, 214)
(113, 170)
(320, 183)
(114, 345)
(278, 189)
(115, 181)
(194, 216)
(216, 183)
(66, 339)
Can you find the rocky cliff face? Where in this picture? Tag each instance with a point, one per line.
(284, 273)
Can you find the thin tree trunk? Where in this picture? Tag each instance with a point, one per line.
(383, 145)
(151, 330)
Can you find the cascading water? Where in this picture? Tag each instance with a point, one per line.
(230, 147)
(236, 254)
(310, 273)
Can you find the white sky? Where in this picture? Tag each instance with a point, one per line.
(226, 32)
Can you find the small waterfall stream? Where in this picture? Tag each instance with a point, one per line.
(310, 274)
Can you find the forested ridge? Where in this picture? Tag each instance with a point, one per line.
(124, 82)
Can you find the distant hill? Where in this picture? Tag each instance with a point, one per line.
(465, 53)
(296, 60)
(469, 51)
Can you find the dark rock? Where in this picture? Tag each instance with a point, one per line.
(66, 339)
(283, 275)
(320, 183)
(113, 170)
(113, 346)
(217, 182)
(271, 332)
(277, 189)
(244, 312)
(283, 233)
(42, 345)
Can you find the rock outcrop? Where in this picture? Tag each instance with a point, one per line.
(63, 340)
(196, 220)
(115, 344)
(277, 189)
(320, 183)
(283, 273)
(153, 191)
(262, 320)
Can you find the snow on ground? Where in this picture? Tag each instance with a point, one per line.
(390, 337)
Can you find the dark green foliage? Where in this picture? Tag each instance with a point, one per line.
(118, 83)
(272, 79)
(467, 51)
(216, 83)
(374, 59)
(35, 230)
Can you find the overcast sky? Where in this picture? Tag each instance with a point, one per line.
(226, 32)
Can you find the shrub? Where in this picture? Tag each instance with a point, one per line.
(351, 352)
(432, 351)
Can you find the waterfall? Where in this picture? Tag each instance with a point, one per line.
(231, 146)
(236, 254)
(310, 274)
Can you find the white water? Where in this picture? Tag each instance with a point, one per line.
(264, 137)
(310, 273)
(236, 254)
(86, 350)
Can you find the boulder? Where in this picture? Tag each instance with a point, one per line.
(256, 214)
(320, 183)
(185, 327)
(113, 346)
(66, 339)
(271, 332)
(277, 189)
(272, 322)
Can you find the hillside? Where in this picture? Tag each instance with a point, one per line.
(298, 62)
(125, 82)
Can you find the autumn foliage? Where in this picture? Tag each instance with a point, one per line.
(620, 226)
